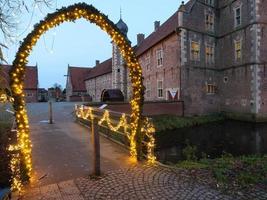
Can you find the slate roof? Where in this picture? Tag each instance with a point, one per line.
(166, 29)
(31, 76)
(77, 77)
(101, 69)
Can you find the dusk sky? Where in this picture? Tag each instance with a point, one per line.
(81, 43)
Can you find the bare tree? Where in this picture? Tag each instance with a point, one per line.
(11, 9)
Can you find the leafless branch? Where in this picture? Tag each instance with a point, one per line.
(10, 11)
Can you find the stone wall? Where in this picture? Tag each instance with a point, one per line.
(120, 73)
(240, 83)
(196, 74)
(236, 83)
(96, 86)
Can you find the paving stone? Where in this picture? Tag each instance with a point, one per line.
(140, 182)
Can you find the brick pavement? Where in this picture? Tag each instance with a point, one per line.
(139, 182)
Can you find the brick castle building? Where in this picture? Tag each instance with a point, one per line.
(223, 57)
(210, 54)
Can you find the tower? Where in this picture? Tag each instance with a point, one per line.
(120, 73)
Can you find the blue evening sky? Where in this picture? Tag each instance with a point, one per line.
(81, 43)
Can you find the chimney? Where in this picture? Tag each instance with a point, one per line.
(140, 38)
(156, 25)
(181, 12)
(182, 7)
(97, 62)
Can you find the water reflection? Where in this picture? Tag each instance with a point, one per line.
(237, 138)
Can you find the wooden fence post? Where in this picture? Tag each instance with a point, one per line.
(50, 113)
(96, 146)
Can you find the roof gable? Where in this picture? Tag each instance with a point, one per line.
(163, 31)
(101, 69)
(77, 77)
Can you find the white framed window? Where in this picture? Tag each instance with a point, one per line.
(160, 88)
(195, 51)
(148, 89)
(211, 88)
(238, 50)
(210, 53)
(238, 16)
(209, 20)
(209, 2)
(159, 54)
(147, 63)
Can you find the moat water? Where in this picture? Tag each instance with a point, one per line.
(234, 137)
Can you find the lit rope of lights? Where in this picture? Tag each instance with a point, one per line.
(86, 113)
(83, 113)
(17, 74)
(4, 98)
(15, 169)
(122, 122)
(148, 129)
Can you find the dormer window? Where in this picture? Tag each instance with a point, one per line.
(237, 16)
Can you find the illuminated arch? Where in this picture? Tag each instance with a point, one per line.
(17, 74)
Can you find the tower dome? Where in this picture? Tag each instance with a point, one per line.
(122, 26)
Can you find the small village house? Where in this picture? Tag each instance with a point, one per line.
(30, 81)
(75, 86)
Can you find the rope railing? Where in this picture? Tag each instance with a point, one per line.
(119, 125)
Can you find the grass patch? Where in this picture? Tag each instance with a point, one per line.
(191, 165)
(243, 171)
(229, 171)
(169, 122)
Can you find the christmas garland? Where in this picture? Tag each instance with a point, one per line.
(22, 149)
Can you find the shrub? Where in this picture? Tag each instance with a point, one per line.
(189, 152)
(5, 172)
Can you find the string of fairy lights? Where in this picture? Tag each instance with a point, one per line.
(17, 74)
(86, 113)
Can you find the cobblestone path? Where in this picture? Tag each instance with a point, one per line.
(138, 182)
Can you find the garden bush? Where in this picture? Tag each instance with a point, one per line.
(5, 135)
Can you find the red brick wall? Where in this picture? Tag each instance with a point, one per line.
(169, 72)
(75, 98)
(79, 98)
